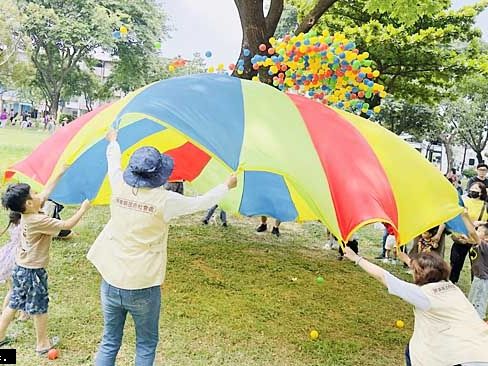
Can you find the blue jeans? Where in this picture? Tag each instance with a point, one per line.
(144, 306)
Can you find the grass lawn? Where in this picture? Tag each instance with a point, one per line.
(229, 298)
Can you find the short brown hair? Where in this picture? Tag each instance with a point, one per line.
(430, 268)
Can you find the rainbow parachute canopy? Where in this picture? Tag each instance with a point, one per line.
(297, 159)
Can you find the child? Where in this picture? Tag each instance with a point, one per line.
(7, 253)
(29, 276)
(426, 243)
(390, 244)
(478, 293)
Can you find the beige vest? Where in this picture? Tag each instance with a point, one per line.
(450, 332)
(130, 252)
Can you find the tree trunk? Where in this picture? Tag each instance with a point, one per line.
(254, 33)
(257, 29)
(449, 154)
(54, 104)
(464, 158)
(479, 157)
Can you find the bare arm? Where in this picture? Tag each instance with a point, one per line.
(48, 189)
(75, 219)
(370, 268)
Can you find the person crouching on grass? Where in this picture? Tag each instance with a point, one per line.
(29, 277)
(447, 329)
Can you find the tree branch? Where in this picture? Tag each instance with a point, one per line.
(312, 18)
(273, 17)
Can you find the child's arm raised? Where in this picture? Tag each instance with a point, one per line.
(48, 189)
(75, 219)
(113, 157)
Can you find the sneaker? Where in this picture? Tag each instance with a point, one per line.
(276, 232)
(224, 224)
(205, 222)
(340, 257)
(385, 260)
(261, 228)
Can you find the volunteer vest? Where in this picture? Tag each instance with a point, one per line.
(130, 252)
(450, 332)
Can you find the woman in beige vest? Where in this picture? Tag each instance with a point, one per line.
(130, 252)
(447, 329)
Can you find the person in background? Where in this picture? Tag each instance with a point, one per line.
(3, 118)
(481, 172)
(211, 211)
(264, 226)
(475, 204)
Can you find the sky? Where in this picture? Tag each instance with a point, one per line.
(214, 25)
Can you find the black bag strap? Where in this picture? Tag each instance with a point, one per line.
(482, 211)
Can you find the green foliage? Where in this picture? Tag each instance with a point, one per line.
(65, 33)
(470, 173)
(400, 116)
(137, 54)
(84, 83)
(288, 21)
(406, 11)
(11, 41)
(419, 61)
(66, 117)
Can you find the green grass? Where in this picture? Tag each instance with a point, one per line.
(229, 298)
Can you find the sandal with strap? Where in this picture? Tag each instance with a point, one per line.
(54, 342)
(5, 341)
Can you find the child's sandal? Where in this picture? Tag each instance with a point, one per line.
(43, 352)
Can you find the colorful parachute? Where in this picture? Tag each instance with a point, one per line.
(297, 160)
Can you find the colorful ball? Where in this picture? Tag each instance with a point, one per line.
(262, 47)
(399, 324)
(208, 54)
(314, 335)
(52, 354)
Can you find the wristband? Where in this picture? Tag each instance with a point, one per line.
(358, 260)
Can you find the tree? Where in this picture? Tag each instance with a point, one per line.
(470, 114)
(65, 33)
(258, 28)
(419, 61)
(10, 36)
(137, 55)
(85, 83)
(400, 116)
